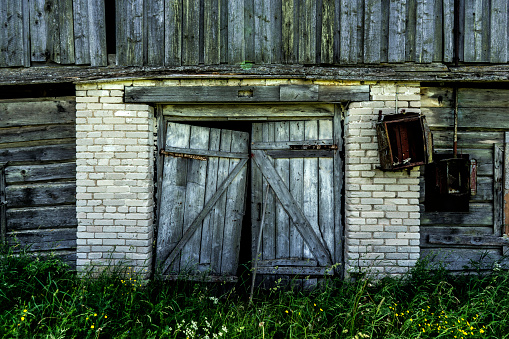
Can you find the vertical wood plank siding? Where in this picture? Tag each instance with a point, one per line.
(193, 32)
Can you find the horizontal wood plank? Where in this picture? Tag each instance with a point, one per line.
(30, 173)
(41, 194)
(467, 240)
(38, 153)
(480, 214)
(44, 240)
(459, 259)
(288, 262)
(288, 111)
(37, 113)
(293, 270)
(27, 218)
(36, 133)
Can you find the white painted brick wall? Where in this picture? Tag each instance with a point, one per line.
(382, 208)
(115, 147)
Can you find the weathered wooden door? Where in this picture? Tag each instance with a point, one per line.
(300, 161)
(202, 200)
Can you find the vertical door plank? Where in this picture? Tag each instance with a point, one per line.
(338, 189)
(173, 195)
(173, 32)
(296, 188)
(219, 213)
(97, 33)
(236, 42)
(211, 37)
(282, 133)
(448, 30)
(310, 178)
(195, 197)
(155, 32)
(130, 32)
(66, 23)
(210, 189)
(498, 31)
(326, 190)
(257, 187)
(267, 23)
(190, 32)
(81, 32)
(269, 227)
(424, 31)
(372, 31)
(397, 29)
(249, 31)
(290, 26)
(223, 31)
(38, 30)
(328, 31)
(476, 18)
(307, 32)
(235, 206)
(498, 191)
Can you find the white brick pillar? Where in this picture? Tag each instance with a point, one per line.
(382, 208)
(114, 177)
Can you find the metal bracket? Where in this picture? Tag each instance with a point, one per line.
(183, 155)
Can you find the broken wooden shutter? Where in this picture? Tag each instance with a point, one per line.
(202, 200)
(300, 233)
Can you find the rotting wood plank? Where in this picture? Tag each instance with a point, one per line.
(249, 33)
(257, 202)
(498, 199)
(310, 178)
(472, 31)
(155, 32)
(44, 240)
(485, 98)
(498, 31)
(438, 34)
(173, 32)
(299, 219)
(288, 261)
(3, 204)
(298, 93)
(97, 33)
(343, 93)
(37, 113)
(348, 32)
(467, 139)
(459, 259)
(202, 94)
(34, 173)
(172, 195)
(411, 26)
(38, 30)
(212, 33)
(372, 29)
(338, 191)
(61, 152)
(195, 200)
(66, 24)
(448, 30)
(479, 214)
(307, 32)
(397, 31)
(296, 188)
(269, 233)
(235, 206)
(81, 32)
(27, 218)
(287, 145)
(328, 30)
(294, 270)
(210, 188)
(190, 32)
(468, 240)
(282, 133)
(236, 27)
(206, 153)
(35, 133)
(424, 36)
(46, 194)
(53, 25)
(290, 27)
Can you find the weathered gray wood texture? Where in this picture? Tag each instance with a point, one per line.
(459, 237)
(301, 227)
(37, 143)
(202, 201)
(211, 32)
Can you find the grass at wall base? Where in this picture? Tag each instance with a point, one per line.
(42, 298)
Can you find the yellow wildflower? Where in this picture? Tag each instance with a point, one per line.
(92, 326)
(105, 316)
(95, 314)
(286, 311)
(25, 311)
(22, 318)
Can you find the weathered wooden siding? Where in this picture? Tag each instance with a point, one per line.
(210, 32)
(482, 121)
(38, 150)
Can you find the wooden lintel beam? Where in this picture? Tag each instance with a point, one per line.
(246, 94)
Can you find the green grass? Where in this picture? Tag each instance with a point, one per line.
(43, 299)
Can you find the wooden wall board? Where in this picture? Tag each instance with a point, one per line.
(457, 259)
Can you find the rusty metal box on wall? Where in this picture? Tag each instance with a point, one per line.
(404, 141)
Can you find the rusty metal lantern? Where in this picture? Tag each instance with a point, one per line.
(404, 141)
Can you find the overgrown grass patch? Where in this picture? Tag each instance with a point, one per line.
(42, 298)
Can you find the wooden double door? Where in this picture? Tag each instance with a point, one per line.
(290, 173)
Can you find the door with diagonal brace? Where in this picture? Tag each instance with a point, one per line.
(202, 200)
(302, 228)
